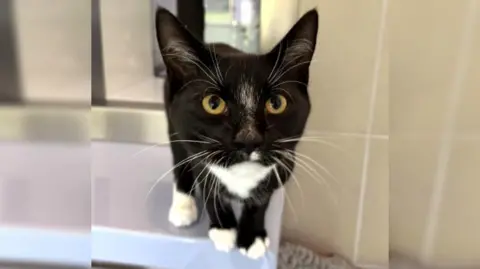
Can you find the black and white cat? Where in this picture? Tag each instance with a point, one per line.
(233, 118)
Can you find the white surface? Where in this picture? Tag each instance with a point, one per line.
(45, 203)
(46, 213)
(34, 245)
(131, 228)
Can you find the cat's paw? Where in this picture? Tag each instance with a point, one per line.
(253, 245)
(223, 239)
(183, 212)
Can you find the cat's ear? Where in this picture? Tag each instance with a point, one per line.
(295, 50)
(182, 53)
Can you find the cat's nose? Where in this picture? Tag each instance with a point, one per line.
(248, 140)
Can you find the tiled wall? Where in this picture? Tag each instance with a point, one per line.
(435, 130)
(350, 96)
(402, 105)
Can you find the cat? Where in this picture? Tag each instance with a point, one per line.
(234, 121)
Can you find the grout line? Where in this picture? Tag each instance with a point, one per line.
(352, 135)
(371, 266)
(371, 116)
(425, 136)
(440, 179)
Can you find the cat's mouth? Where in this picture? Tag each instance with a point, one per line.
(254, 157)
(230, 158)
(243, 156)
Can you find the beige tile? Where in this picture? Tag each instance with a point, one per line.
(413, 163)
(328, 215)
(457, 240)
(341, 77)
(424, 44)
(382, 114)
(374, 240)
(469, 109)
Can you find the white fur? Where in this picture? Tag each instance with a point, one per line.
(183, 211)
(223, 239)
(240, 179)
(297, 50)
(247, 98)
(254, 156)
(181, 51)
(257, 249)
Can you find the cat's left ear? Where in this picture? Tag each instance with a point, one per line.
(298, 45)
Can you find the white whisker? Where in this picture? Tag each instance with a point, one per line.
(289, 81)
(185, 54)
(295, 179)
(185, 161)
(207, 158)
(285, 91)
(209, 138)
(312, 139)
(217, 65)
(197, 64)
(167, 143)
(276, 62)
(277, 175)
(215, 194)
(197, 183)
(278, 77)
(323, 168)
(313, 173)
(144, 150)
(198, 80)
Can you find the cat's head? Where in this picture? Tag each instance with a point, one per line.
(245, 107)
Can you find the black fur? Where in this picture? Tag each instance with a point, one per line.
(195, 69)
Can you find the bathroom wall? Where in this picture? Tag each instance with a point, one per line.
(435, 131)
(349, 126)
(410, 189)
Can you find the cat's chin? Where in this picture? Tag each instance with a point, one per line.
(254, 156)
(241, 178)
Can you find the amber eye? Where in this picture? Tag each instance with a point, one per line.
(276, 104)
(214, 104)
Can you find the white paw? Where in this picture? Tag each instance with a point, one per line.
(223, 239)
(257, 249)
(183, 212)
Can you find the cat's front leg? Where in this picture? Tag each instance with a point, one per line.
(252, 237)
(223, 224)
(183, 211)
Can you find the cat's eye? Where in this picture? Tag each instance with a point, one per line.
(276, 104)
(214, 104)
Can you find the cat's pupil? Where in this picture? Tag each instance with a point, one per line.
(214, 102)
(276, 102)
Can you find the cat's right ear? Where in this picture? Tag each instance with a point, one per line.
(295, 51)
(182, 53)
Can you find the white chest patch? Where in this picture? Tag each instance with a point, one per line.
(240, 179)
